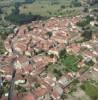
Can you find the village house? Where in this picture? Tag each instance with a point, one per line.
(20, 62)
(21, 96)
(29, 96)
(27, 69)
(54, 51)
(8, 59)
(63, 81)
(58, 89)
(41, 65)
(6, 72)
(81, 64)
(20, 47)
(74, 48)
(55, 95)
(59, 39)
(95, 68)
(43, 45)
(19, 80)
(40, 93)
(50, 80)
(89, 55)
(42, 58)
(86, 45)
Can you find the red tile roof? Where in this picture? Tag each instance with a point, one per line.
(55, 95)
(40, 92)
(22, 59)
(29, 96)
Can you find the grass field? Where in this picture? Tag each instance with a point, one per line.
(70, 62)
(50, 8)
(46, 8)
(91, 90)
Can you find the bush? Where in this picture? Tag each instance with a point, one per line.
(37, 85)
(57, 73)
(29, 1)
(85, 21)
(62, 53)
(1, 11)
(76, 3)
(49, 34)
(62, 6)
(21, 89)
(87, 34)
(90, 63)
(85, 9)
(2, 49)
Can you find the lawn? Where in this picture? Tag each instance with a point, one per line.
(70, 62)
(91, 90)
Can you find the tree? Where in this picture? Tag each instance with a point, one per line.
(62, 53)
(37, 85)
(16, 10)
(90, 63)
(21, 89)
(2, 49)
(29, 1)
(23, 18)
(85, 9)
(62, 6)
(57, 73)
(87, 34)
(85, 22)
(1, 11)
(49, 34)
(76, 3)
